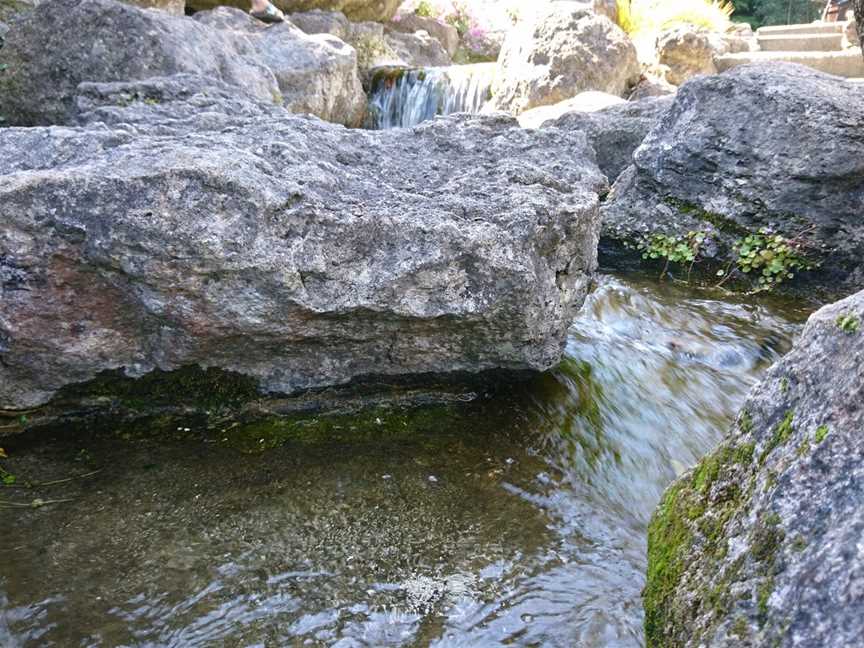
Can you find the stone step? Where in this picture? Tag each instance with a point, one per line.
(797, 30)
(848, 63)
(802, 43)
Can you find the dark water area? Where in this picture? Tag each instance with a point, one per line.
(516, 520)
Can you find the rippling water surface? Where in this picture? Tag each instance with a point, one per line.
(516, 520)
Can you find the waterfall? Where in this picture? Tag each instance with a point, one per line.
(407, 97)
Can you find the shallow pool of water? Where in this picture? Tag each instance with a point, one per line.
(518, 519)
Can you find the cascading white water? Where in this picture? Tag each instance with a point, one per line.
(408, 97)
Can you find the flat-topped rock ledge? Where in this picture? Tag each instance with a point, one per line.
(185, 223)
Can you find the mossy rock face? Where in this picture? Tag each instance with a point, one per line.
(734, 544)
(257, 419)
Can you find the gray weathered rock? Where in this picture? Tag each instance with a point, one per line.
(376, 46)
(562, 49)
(761, 543)
(355, 10)
(315, 74)
(686, 51)
(185, 224)
(418, 49)
(65, 42)
(175, 7)
(445, 34)
(617, 131)
(367, 38)
(798, 169)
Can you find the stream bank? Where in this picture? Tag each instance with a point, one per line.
(518, 518)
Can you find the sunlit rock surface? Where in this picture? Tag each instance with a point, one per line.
(166, 231)
(760, 544)
(65, 42)
(559, 50)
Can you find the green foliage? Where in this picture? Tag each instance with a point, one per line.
(641, 18)
(848, 324)
(7, 478)
(771, 256)
(676, 249)
(672, 249)
(424, 8)
(785, 12)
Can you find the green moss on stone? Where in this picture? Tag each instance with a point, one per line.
(740, 628)
(765, 539)
(821, 433)
(781, 434)
(205, 388)
(766, 587)
(848, 324)
(692, 511)
(384, 424)
(799, 543)
(745, 422)
(722, 223)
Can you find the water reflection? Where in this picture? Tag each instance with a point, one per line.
(517, 520)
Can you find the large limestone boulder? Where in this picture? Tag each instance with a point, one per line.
(760, 544)
(375, 44)
(355, 10)
(615, 131)
(560, 50)
(65, 42)
(687, 52)
(410, 23)
(184, 224)
(417, 50)
(710, 166)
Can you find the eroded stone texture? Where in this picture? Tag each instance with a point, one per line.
(65, 42)
(760, 544)
(165, 231)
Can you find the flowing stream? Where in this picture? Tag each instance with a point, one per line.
(408, 97)
(515, 520)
